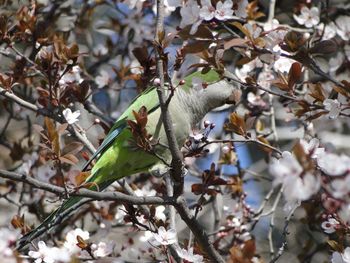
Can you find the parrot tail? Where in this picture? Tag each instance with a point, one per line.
(52, 220)
(60, 214)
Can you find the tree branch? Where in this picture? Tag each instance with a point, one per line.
(201, 236)
(111, 196)
(177, 164)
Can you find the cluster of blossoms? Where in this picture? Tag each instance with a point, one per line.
(71, 249)
(324, 173)
(194, 14)
(8, 240)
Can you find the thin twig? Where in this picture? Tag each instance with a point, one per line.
(272, 220)
(284, 233)
(246, 141)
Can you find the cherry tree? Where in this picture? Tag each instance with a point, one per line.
(266, 179)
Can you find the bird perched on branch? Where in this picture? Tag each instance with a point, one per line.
(137, 141)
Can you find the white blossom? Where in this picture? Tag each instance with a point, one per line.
(101, 250)
(340, 187)
(8, 239)
(71, 117)
(333, 164)
(49, 254)
(160, 213)
(225, 149)
(147, 236)
(343, 27)
(312, 146)
(287, 171)
(308, 17)
(71, 240)
(165, 237)
(243, 72)
(207, 11)
(44, 172)
(28, 162)
(255, 100)
(330, 225)
(137, 4)
(222, 11)
(344, 213)
(341, 257)
(145, 191)
(327, 31)
(103, 79)
(190, 16)
(100, 50)
(283, 64)
(188, 255)
(241, 8)
(71, 76)
(335, 62)
(333, 106)
(265, 78)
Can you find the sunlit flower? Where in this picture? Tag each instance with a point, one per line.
(333, 164)
(287, 171)
(333, 106)
(71, 117)
(49, 254)
(101, 250)
(265, 78)
(343, 27)
(340, 187)
(308, 17)
(28, 161)
(190, 16)
(344, 213)
(312, 146)
(44, 172)
(71, 240)
(100, 50)
(160, 213)
(165, 237)
(8, 239)
(103, 79)
(330, 225)
(222, 11)
(145, 191)
(255, 100)
(335, 62)
(137, 4)
(189, 256)
(327, 31)
(240, 8)
(341, 257)
(71, 76)
(225, 149)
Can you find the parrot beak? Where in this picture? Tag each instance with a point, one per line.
(234, 97)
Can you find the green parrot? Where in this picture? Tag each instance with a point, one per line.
(119, 156)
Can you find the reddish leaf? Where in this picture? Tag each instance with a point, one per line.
(69, 158)
(294, 75)
(72, 148)
(236, 124)
(234, 42)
